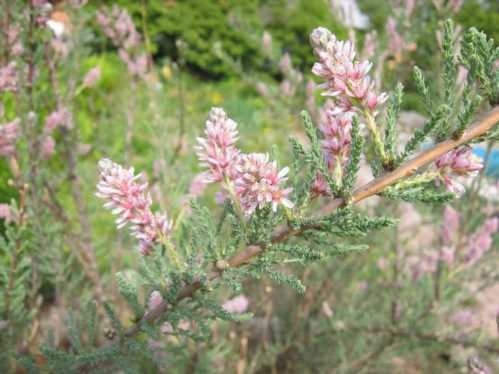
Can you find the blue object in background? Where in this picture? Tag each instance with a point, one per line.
(492, 163)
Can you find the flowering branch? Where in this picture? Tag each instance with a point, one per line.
(376, 186)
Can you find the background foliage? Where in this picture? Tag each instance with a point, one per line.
(348, 310)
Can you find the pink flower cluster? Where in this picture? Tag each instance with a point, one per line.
(292, 77)
(370, 45)
(198, 185)
(346, 80)
(395, 40)
(129, 200)
(118, 26)
(155, 300)
(217, 152)
(60, 117)
(13, 42)
(8, 77)
(474, 249)
(258, 183)
(422, 264)
(351, 88)
(450, 229)
(250, 178)
(6, 212)
(455, 164)
(481, 241)
(238, 304)
(450, 225)
(320, 186)
(267, 44)
(336, 128)
(92, 77)
(9, 133)
(47, 147)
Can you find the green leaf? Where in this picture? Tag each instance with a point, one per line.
(353, 166)
(392, 114)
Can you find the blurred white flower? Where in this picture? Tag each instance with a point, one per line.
(348, 13)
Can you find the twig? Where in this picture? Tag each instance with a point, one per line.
(181, 115)
(69, 135)
(448, 340)
(394, 310)
(359, 365)
(130, 119)
(17, 250)
(284, 232)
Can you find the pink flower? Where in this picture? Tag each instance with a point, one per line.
(61, 46)
(447, 255)
(198, 185)
(217, 152)
(382, 263)
(286, 88)
(450, 225)
(326, 309)
(259, 183)
(285, 65)
(220, 197)
(456, 5)
(409, 7)
(463, 318)
(14, 40)
(421, 265)
(38, 3)
(462, 75)
(396, 43)
(5, 212)
(267, 43)
(310, 89)
(167, 328)
(130, 201)
(310, 92)
(155, 300)
(92, 77)
(336, 127)
(60, 117)
(138, 66)
(370, 44)
(250, 178)
(48, 147)
(320, 186)
(84, 148)
(262, 89)
(481, 241)
(9, 133)
(118, 26)
(457, 163)
(8, 77)
(238, 304)
(346, 80)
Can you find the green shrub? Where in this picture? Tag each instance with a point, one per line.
(201, 24)
(290, 23)
(484, 17)
(236, 25)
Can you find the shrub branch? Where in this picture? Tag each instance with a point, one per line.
(283, 232)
